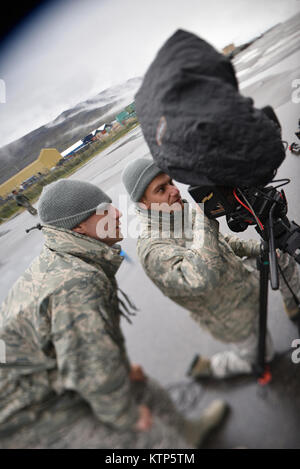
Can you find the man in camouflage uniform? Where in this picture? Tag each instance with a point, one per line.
(203, 271)
(67, 381)
(23, 201)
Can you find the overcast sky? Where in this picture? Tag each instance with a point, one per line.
(73, 49)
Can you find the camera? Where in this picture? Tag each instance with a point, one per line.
(204, 133)
(263, 207)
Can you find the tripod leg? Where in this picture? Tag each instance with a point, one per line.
(263, 305)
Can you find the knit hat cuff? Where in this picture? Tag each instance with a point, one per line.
(71, 221)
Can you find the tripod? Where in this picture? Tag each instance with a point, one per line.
(268, 267)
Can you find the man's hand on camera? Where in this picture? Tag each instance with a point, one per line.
(144, 422)
(137, 373)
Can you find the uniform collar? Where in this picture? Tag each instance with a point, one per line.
(173, 223)
(89, 249)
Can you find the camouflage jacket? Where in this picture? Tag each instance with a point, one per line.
(60, 326)
(204, 273)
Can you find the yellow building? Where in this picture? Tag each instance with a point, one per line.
(46, 160)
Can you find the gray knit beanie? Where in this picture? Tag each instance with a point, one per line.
(66, 203)
(137, 175)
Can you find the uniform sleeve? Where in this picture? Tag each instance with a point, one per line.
(243, 248)
(181, 271)
(90, 362)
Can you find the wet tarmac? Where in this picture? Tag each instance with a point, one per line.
(163, 338)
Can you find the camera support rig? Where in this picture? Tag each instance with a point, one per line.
(266, 208)
(286, 236)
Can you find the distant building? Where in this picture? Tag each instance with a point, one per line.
(108, 128)
(231, 50)
(128, 113)
(101, 132)
(130, 108)
(88, 138)
(48, 158)
(73, 148)
(28, 182)
(116, 126)
(122, 117)
(101, 129)
(228, 49)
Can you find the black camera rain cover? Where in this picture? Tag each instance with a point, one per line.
(199, 128)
